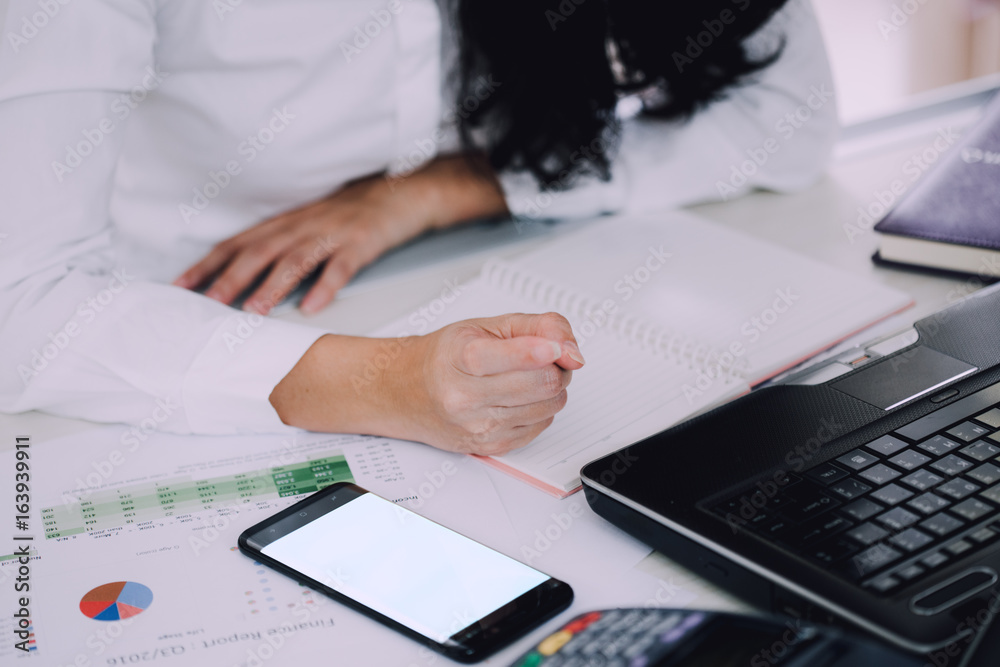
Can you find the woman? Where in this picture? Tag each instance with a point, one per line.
(247, 138)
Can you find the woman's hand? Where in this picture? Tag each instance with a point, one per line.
(483, 386)
(343, 233)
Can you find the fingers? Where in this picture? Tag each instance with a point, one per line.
(290, 270)
(339, 270)
(525, 387)
(244, 268)
(551, 326)
(209, 266)
(491, 356)
(516, 438)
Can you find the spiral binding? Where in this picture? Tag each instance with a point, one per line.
(666, 343)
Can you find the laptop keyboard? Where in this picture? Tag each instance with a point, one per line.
(894, 510)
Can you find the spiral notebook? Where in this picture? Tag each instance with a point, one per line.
(674, 315)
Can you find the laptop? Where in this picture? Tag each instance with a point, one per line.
(865, 489)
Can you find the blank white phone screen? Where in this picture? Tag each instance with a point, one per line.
(404, 566)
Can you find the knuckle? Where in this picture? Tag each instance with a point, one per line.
(557, 320)
(455, 403)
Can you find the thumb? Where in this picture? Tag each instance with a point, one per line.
(551, 326)
(489, 355)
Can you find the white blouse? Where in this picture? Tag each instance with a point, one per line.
(139, 133)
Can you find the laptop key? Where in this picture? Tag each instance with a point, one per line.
(857, 460)
(981, 450)
(922, 480)
(991, 418)
(826, 473)
(958, 548)
(938, 445)
(911, 539)
(972, 509)
(992, 493)
(809, 503)
(935, 559)
(928, 503)
(986, 473)
(880, 474)
(941, 524)
(909, 460)
(883, 584)
(983, 535)
(891, 494)
(958, 489)
(834, 550)
(968, 431)
(871, 559)
(849, 488)
(910, 572)
(951, 465)
(819, 528)
(867, 533)
(863, 509)
(887, 445)
(897, 518)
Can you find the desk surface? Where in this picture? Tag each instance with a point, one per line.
(821, 223)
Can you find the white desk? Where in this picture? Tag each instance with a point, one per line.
(811, 223)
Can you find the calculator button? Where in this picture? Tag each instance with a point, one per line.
(938, 445)
(554, 642)
(886, 445)
(857, 460)
(968, 431)
(880, 474)
(891, 494)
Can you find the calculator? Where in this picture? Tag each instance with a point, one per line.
(653, 637)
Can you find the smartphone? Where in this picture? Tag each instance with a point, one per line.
(443, 589)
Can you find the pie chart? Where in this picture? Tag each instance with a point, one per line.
(113, 602)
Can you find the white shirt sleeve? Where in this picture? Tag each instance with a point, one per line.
(775, 132)
(80, 337)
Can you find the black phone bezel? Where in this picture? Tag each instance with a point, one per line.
(475, 642)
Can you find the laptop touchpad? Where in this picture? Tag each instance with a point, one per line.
(896, 380)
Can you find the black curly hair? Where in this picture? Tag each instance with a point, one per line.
(563, 66)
